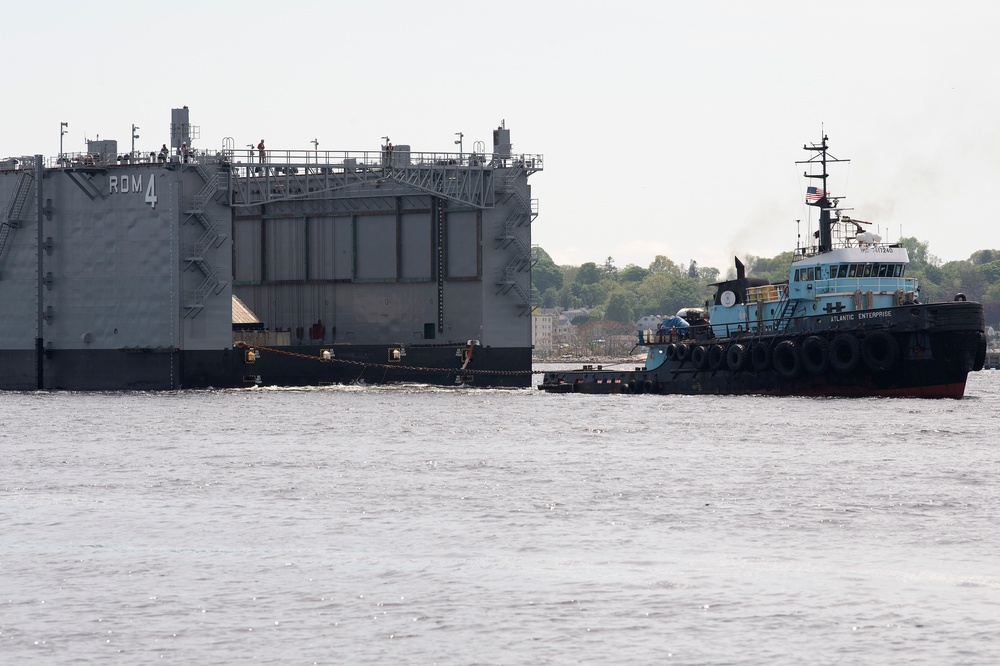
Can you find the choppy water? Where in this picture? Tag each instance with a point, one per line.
(382, 525)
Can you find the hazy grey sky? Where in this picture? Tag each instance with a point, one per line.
(666, 127)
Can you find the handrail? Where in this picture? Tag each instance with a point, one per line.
(297, 158)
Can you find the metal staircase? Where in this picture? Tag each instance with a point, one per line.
(515, 233)
(10, 219)
(787, 306)
(196, 254)
(516, 277)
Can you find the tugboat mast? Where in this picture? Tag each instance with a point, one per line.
(824, 201)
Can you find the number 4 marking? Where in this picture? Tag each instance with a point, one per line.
(151, 191)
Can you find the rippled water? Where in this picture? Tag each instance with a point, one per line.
(379, 525)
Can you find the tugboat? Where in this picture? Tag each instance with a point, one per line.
(847, 322)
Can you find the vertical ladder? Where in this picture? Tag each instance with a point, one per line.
(441, 264)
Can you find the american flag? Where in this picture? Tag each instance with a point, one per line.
(814, 193)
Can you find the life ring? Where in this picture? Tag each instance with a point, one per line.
(681, 353)
(670, 351)
(760, 356)
(736, 357)
(716, 356)
(699, 357)
(960, 296)
(786, 359)
(879, 350)
(844, 352)
(815, 358)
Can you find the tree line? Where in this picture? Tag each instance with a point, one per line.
(626, 294)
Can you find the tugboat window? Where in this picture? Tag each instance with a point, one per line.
(882, 270)
(868, 270)
(796, 278)
(843, 271)
(809, 273)
(854, 270)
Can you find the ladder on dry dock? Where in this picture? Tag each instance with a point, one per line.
(10, 219)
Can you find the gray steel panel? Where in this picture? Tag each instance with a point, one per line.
(416, 247)
(343, 244)
(362, 313)
(321, 248)
(246, 234)
(376, 247)
(285, 243)
(462, 245)
(112, 263)
(463, 311)
(330, 248)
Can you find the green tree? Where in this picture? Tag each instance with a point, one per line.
(708, 274)
(593, 294)
(619, 307)
(633, 273)
(662, 264)
(568, 298)
(589, 273)
(961, 276)
(664, 295)
(544, 273)
(984, 257)
(917, 252)
(990, 270)
(775, 269)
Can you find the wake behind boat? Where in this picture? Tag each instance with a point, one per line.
(847, 322)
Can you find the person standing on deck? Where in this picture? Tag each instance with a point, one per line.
(260, 150)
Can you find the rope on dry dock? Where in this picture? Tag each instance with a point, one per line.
(385, 366)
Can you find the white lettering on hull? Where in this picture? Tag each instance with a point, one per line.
(874, 314)
(133, 184)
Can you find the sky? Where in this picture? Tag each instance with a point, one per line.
(666, 128)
